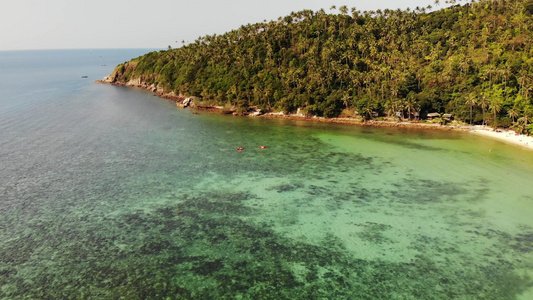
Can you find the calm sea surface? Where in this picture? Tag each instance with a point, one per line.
(111, 193)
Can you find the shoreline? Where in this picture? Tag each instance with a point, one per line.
(504, 135)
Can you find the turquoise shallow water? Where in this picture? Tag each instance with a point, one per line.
(108, 193)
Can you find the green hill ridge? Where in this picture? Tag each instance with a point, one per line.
(473, 60)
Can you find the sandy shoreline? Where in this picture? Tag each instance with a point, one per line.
(369, 123)
(504, 135)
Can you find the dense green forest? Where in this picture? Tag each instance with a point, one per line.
(473, 60)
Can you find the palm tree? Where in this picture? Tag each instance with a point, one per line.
(512, 113)
(344, 10)
(471, 101)
(410, 103)
(365, 107)
(495, 107)
(484, 103)
(528, 111)
(355, 13)
(522, 124)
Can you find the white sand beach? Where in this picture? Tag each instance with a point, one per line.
(508, 136)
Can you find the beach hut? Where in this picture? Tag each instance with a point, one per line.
(448, 117)
(432, 116)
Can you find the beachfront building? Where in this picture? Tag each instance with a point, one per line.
(432, 116)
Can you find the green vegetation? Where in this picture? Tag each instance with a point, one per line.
(473, 60)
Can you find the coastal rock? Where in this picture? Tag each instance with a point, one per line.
(300, 113)
(134, 82)
(185, 102)
(256, 112)
(109, 78)
(157, 89)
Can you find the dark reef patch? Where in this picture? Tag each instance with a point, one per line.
(523, 242)
(286, 187)
(155, 247)
(373, 232)
(208, 267)
(209, 252)
(425, 191)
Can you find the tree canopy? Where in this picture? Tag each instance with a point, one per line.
(473, 60)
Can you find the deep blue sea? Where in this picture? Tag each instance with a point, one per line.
(109, 192)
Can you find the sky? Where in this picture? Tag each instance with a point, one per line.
(155, 24)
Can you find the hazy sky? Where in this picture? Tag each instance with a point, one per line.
(60, 24)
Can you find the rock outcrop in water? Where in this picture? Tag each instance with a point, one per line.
(117, 78)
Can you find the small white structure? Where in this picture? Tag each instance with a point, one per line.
(432, 116)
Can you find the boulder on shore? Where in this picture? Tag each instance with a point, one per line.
(185, 103)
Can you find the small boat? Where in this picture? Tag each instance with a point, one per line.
(84, 76)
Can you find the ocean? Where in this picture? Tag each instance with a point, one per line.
(109, 192)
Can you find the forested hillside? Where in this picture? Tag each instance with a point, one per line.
(474, 60)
